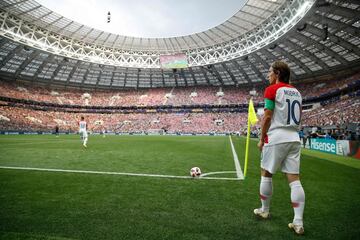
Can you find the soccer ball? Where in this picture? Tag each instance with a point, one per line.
(195, 172)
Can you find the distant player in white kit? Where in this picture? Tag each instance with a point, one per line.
(280, 143)
(103, 132)
(83, 131)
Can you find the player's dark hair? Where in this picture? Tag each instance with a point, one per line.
(82, 118)
(282, 70)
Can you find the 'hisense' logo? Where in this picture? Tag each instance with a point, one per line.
(323, 146)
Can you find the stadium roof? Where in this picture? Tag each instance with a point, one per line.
(314, 37)
(251, 15)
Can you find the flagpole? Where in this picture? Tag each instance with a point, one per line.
(252, 119)
(247, 146)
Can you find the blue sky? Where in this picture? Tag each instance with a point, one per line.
(147, 18)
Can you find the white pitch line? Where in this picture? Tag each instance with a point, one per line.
(239, 172)
(214, 173)
(221, 178)
(109, 173)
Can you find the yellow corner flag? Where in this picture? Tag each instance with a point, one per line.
(252, 114)
(252, 120)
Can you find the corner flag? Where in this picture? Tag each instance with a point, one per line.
(252, 120)
(252, 114)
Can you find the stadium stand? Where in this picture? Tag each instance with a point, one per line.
(165, 96)
(152, 97)
(24, 119)
(337, 112)
(325, 110)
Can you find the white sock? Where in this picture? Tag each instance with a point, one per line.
(297, 201)
(266, 193)
(85, 141)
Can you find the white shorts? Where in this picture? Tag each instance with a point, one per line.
(284, 155)
(83, 133)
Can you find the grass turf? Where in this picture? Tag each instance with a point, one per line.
(57, 205)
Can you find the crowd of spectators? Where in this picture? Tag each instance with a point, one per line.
(24, 119)
(317, 88)
(159, 96)
(139, 97)
(341, 111)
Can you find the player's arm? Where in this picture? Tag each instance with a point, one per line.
(266, 121)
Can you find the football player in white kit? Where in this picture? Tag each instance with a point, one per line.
(280, 143)
(83, 131)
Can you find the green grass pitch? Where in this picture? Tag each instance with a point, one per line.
(75, 205)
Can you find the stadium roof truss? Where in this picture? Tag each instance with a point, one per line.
(314, 37)
(281, 21)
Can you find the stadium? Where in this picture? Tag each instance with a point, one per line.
(156, 107)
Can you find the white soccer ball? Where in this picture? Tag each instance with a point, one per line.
(195, 172)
